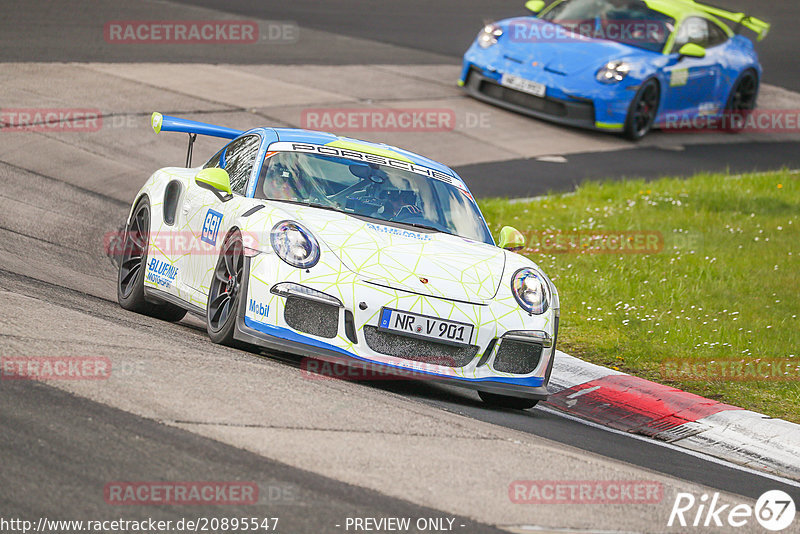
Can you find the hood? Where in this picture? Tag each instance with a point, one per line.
(405, 258)
(552, 47)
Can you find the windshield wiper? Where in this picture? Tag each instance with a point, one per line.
(424, 226)
(309, 204)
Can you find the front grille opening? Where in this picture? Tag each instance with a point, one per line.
(311, 317)
(517, 357)
(578, 109)
(418, 350)
(525, 100)
(488, 352)
(350, 326)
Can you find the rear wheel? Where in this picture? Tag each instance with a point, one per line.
(742, 100)
(224, 292)
(504, 401)
(642, 111)
(132, 265)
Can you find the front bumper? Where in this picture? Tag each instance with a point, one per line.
(577, 101)
(571, 113)
(349, 344)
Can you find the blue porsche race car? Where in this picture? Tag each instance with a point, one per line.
(618, 65)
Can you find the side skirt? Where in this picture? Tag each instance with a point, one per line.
(156, 296)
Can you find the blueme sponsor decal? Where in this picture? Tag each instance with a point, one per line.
(260, 310)
(161, 273)
(398, 232)
(211, 227)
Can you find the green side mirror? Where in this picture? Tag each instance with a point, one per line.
(534, 6)
(692, 50)
(214, 179)
(511, 239)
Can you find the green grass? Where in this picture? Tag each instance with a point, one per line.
(725, 286)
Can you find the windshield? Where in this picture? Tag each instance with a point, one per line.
(624, 21)
(371, 190)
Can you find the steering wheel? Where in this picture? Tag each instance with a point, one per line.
(408, 212)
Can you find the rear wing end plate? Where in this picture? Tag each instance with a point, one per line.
(760, 27)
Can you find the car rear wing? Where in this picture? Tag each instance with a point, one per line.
(760, 27)
(165, 123)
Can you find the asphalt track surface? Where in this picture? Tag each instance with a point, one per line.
(343, 32)
(514, 178)
(76, 447)
(59, 448)
(448, 27)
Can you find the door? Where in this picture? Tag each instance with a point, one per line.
(207, 218)
(693, 83)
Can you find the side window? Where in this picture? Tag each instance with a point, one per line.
(716, 35)
(240, 156)
(214, 161)
(692, 30)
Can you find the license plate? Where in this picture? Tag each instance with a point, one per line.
(521, 84)
(422, 326)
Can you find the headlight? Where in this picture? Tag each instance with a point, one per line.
(613, 72)
(294, 244)
(530, 290)
(488, 35)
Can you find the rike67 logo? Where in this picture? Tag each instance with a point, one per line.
(774, 511)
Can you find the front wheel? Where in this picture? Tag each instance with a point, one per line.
(504, 401)
(130, 278)
(642, 111)
(225, 291)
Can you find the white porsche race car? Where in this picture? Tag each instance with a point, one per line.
(344, 251)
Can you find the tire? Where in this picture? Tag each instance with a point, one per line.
(224, 293)
(504, 401)
(642, 111)
(742, 100)
(132, 264)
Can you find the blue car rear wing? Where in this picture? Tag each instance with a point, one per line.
(758, 26)
(165, 123)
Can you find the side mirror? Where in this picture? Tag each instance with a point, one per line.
(215, 180)
(692, 50)
(534, 6)
(511, 239)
